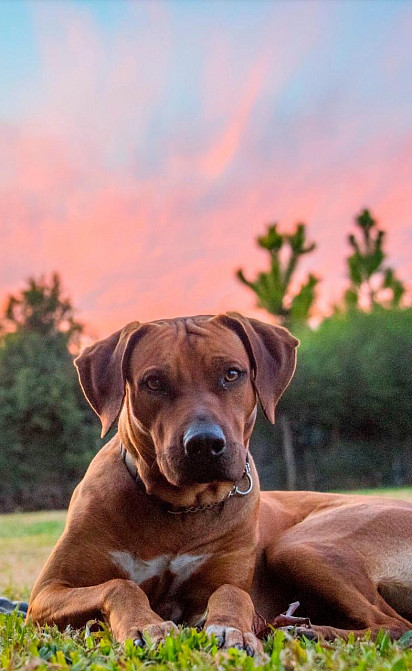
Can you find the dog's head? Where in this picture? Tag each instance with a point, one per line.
(186, 389)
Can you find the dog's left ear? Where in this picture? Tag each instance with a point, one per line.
(272, 353)
(102, 372)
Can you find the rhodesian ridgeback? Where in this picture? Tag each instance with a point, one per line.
(168, 525)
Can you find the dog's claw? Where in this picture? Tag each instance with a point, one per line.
(307, 632)
(230, 637)
(157, 633)
(152, 634)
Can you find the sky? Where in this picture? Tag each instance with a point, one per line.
(145, 145)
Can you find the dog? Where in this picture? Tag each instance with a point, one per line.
(168, 525)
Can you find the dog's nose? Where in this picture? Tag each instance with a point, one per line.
(204, 438)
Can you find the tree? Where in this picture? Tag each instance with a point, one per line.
(273, 288)
(372, 283)
(47, 431)
(352, 398)
(41, 308)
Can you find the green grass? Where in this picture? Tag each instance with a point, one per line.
(404, 493)
(25, 542)
(30, 647)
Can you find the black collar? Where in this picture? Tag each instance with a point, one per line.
(235, 491)
(130, 465)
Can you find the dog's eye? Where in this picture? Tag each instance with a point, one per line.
(153, 383)
(232, 374)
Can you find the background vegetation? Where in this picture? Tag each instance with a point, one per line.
(345, 421)
(48, 433)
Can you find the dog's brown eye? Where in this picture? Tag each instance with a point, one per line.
(232, 374)
(153, 383)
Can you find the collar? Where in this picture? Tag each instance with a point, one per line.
(235, 491)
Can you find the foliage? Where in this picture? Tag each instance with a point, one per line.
(274, 292)
(351, 399)
(348, 409)
(47, 431)
(28, 646)
(273, 288)
(41, 308)
(371, 282)
(355, 374)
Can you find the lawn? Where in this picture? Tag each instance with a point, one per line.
(29, 647)
(25, 542)
(404, 493)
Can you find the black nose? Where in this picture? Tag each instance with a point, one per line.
(204, 438)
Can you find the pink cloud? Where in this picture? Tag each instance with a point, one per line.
(144, 221)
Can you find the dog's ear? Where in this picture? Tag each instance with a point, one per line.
(102, 373)
(272, 353)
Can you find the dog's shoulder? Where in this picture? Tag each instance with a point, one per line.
(105, 485)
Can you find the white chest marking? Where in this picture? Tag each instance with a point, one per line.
(139, 570)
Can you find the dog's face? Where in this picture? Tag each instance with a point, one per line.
(188, 389)
(189, 386)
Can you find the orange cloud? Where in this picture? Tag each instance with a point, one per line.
(146, 207)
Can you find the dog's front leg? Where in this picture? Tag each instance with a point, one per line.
(230, 617)
(121, 603)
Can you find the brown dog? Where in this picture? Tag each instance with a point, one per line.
(168, 525)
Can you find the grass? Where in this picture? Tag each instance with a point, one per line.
(25, 542)
(30, 647)
(404, 493)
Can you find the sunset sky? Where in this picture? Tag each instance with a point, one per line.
(145, 145)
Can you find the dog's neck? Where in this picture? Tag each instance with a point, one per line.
(238, 489)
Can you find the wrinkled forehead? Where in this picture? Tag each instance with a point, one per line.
(175, 343)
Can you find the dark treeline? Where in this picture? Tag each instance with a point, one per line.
(344, 422)
(48, 433)
(349, 407)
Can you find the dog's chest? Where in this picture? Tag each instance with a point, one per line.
(161, 577)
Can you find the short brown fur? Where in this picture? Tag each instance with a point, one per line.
(347, 559)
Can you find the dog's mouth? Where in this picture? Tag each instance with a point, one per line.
(181, 470)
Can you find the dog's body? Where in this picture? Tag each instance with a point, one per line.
(164, 533)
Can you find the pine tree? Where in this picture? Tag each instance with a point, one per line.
(47, 431)
(273, 287)
(274, 292)
(371, 283)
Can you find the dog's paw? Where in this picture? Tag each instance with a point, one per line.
(230, 637)
(153, 634)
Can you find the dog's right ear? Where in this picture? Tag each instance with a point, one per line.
(102, 372)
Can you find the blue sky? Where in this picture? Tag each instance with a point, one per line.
(165, 135)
